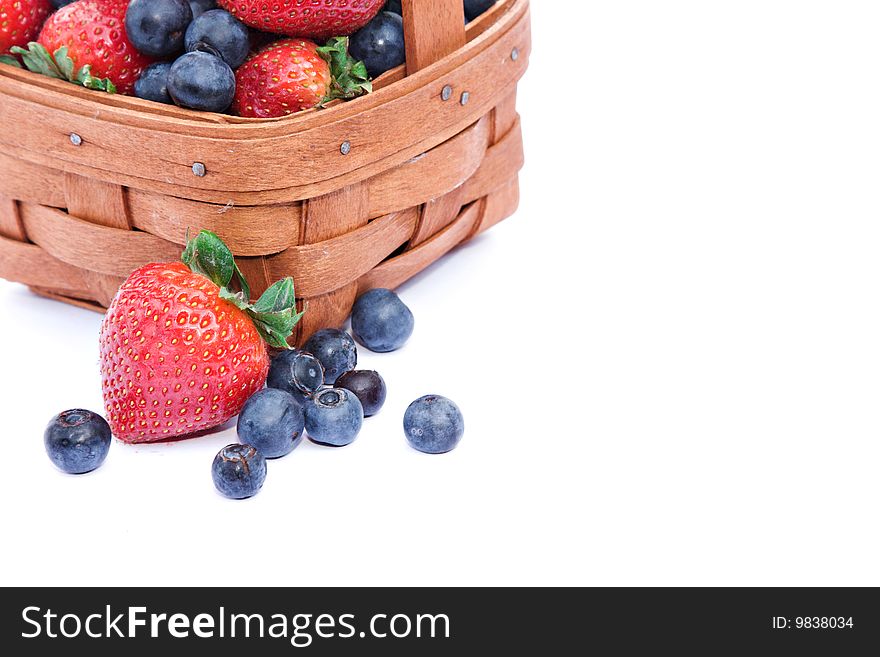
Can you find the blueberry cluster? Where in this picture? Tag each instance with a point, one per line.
(200, 45)
(318, 391)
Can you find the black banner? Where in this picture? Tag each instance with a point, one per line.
(439, 621)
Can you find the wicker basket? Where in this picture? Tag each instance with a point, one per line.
(363, 194)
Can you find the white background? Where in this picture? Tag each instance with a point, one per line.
(668, 360)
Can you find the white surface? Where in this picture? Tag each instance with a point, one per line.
(668, 359)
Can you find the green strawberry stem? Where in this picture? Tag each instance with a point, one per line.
(60, 66)
(350, 77)
(273, 314)
(9, 59)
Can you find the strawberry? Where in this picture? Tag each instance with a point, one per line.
(94, 33)
(313, 19)
(180, 351)
(20, 21)
(291, 75)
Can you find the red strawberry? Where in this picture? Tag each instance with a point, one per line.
(94, 33)
(20, 21)
(291, 75)
(314, 19)
(180, 353)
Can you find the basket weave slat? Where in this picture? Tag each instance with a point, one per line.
(423, 175)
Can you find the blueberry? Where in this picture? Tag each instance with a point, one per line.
(336, 351)
(221, 31)
(272, 421)
(239, 471)
(156, 27)
(394, 7)
(475, 8)
(58, 4)
(201, 81)
(367, 386)
(296, 372)
(381, 321)
(433, 424)
(77, 441)
(153, 83)
(199, 7)
(334, 417)
(380, 44)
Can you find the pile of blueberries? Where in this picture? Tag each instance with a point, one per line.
(315, 391)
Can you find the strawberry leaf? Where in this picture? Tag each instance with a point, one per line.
(11, 61)
(274, 314)
(350, 77)
(277, 298)
(209, 256)
(65, 63)
(276, 327)
(37, 59)
(60, 66)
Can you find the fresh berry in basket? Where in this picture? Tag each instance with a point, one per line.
(77, 441)
(297, 373)
(433, 424)
(272, 421)
(334, 417)
(219, 30)
(199, 7)
(181, 352)
(336, 351)
(305, 19)
(239, 471)
(156, 27)
(291, 75)
(381, 321)
(20, 21)
(380, 44)
(369, 387)
(476, 8)
(153, 83)
(472, 8)
(92, 32)
(201, 81)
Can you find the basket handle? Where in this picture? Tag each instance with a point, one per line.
(433, 29)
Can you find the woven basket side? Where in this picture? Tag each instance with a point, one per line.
(74, 232)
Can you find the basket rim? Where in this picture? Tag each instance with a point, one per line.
(482, 33)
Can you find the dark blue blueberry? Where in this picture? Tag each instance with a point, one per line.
(58, 4)
(475, 8)
(336, 351)
(296, 372)
(153, 83)
(156, 27)
(433, 424)
(199, 7)
(334, 417)
(272, 421)
(77, 441)
(239, 471)
(201, 81)
(368, 386)
(381, 321)
(221, 31)
(394, 6)
(379, 44)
